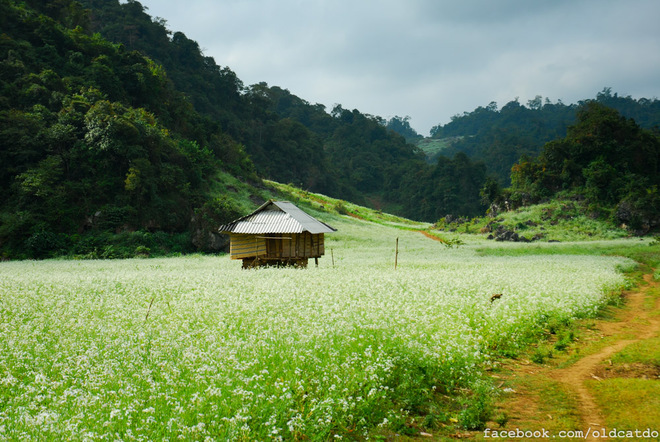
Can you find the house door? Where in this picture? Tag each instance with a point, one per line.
(274, 248)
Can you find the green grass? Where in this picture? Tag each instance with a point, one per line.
(434, 146)
(323, 206)
(631, 403)
(628, 404)
(636, 249)
(644, 352)
(553, 221)
(557, 401)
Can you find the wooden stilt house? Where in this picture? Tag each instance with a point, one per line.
(277, 233)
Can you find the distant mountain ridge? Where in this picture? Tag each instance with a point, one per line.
(501, 137)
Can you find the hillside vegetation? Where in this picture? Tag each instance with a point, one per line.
(118, 134)
(340, 152)
(500, 137)
(606, 169)
(95, 138)
(606, 161)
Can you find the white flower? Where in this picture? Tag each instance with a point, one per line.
(252, 349)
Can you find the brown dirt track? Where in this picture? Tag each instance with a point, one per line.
(632, 323)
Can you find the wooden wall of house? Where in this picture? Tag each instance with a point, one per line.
(296, 245)
(277, 246)
(246, 246)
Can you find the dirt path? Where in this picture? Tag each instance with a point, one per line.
(633, 323)
(431, 236)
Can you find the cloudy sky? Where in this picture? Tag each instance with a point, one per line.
(428, 59)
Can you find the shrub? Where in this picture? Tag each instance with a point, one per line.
(340, 208)
(567, 336)
(478, 407)
(142, 251)
(540, 355)
(44, 244)
(112, 217)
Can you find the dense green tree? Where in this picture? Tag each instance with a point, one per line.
(500, 138)
(450, 187)
(93, 135)
(401, 125)
(605, 158)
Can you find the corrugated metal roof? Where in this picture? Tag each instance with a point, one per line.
(277, 217)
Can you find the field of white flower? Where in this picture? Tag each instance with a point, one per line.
(195, 348)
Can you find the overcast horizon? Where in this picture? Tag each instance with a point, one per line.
(427, 59)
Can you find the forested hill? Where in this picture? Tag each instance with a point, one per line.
(606, 161)
(499, 137)
(94, 137)
(110, 123)
(340, 152)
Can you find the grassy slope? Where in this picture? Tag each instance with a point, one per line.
(563, 227)
(434, 146)
(563, 221)
(327, 208)
(552, 221)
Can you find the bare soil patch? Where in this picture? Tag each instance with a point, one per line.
(634, 370)
(431, 236)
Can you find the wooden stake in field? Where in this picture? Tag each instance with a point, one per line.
(149, 309)
(396, 253)
(332, 253)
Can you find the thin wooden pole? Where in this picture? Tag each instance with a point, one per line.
(396, 253)
(332, 253)
(149, 309)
